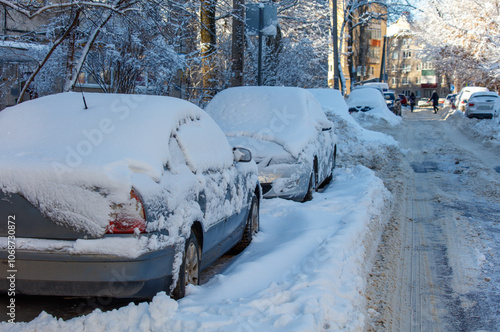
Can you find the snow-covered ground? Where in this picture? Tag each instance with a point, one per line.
(305, 270)
(309, 266)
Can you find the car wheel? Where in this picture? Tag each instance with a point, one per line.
(310, 188)
(330, 176)
(251, 227)
(189, 272)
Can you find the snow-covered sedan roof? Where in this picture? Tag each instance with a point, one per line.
(285, 115)
(74, 163)
(366, 97)
(58, 131)
(483, 94)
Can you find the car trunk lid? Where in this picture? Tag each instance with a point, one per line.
(30, 222)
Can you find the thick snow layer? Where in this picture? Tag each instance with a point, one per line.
(74, 163)
(284, 115)
(354, 141)
(305, 270)
(374, 99)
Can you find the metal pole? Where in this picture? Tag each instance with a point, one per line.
(382, 64)
(259, 61)
(335, 46)
(237, 45)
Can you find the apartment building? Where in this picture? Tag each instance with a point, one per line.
(360, 45)
(407, 70)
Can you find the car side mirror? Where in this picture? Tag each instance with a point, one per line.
(242, 155)
(326, 128)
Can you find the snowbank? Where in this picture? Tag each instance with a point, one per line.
(305, 270)
(355, 143)
(485, 130)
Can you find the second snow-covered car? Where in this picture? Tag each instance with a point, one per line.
(288, 133)
(127, 197)
(481, 105)
(464, 94)
(365, 99)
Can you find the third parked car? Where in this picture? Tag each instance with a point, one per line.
(481, 105)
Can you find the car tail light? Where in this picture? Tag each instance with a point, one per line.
(128, 218)
(471, 104)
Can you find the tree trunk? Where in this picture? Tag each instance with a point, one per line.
(238, 44)
(208, 42)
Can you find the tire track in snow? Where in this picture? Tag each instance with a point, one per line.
(427, 272)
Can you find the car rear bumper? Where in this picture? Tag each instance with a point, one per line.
(480, 115)
(86, 275)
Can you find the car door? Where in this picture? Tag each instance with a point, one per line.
(213, 167)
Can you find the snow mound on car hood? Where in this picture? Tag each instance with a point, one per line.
(284, 115)
(73, 163)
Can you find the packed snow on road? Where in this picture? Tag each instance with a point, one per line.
(310, 267)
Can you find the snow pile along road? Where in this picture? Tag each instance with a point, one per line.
(305, 270)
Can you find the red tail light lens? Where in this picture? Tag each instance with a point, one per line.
(471, 104)
(128, 218)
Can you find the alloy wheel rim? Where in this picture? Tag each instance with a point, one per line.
(192, 265)
(255, 219)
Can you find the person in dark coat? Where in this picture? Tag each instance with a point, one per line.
(412, 100)
(435, 101)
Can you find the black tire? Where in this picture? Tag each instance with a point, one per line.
(189, 272)
(330, 176)
(251, 227)
(310, 188)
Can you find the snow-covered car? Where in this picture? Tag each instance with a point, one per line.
(481, 105)
(382, 85)
(127, 197)
(393, 102)
(463, 97)
(365, 99)
(376, 87)
(404, 100)
(287, 132)
(424, 103)
(449, 100)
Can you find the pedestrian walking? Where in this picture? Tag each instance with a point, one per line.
(435, 101)
(412, 101)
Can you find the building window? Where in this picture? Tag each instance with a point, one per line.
(375, 34)
(395, 55)
(407, 42)
(419, 66)
(372, 71)
(407, 68)
(394, 68)
(443, 80)
(374, 52)
(404, 81)
(394, 81)
(418, 80)
(406, 54)
(395, 42)
(427, 65)
(417, 94)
